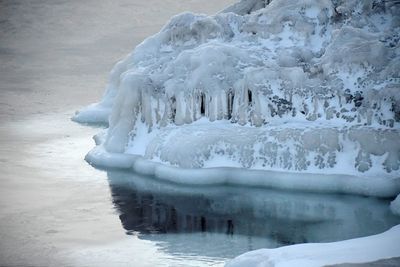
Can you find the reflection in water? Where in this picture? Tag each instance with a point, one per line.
(225, 221)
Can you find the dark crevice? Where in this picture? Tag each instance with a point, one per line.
(173, 109)
(250, 96)
(202, 104)
(231, 97)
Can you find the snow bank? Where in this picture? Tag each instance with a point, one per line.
(277, 88)
(360, 250)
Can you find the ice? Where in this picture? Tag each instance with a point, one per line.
(308, 182)
(100, 112)
(282, 90)
(360, 250)
(395, 206)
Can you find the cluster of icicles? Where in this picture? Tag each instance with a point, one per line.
(257, 108)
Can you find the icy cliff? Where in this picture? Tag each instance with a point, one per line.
(296, 86)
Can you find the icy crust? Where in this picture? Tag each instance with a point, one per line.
(298, 86)
(359, 250)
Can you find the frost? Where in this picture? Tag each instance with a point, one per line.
(295, 86)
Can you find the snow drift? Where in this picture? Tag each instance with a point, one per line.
(286, 86)
(359, 250)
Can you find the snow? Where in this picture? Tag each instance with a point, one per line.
(300, 95)
(359, 250)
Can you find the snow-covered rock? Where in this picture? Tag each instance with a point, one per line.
(287, 86)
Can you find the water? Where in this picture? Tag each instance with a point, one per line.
(226, 221)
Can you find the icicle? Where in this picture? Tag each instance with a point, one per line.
(180, 109)
(146, 109)
(256, 117)
(212, 109)
(315, 100)
(124, 114)
(189, 108)
(158, 111)
(196, 106)
(207, 104)
(219, 105)
(167, 112)
(224, 104)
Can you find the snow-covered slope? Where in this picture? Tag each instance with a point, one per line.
(295, 86)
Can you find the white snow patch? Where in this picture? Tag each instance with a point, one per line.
(359, 250)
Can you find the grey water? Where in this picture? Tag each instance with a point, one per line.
(225, 221)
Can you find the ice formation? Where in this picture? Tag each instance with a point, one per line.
(288, 86)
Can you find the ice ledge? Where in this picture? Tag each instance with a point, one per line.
(295, 181)
(93, 114)
(358, 250)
